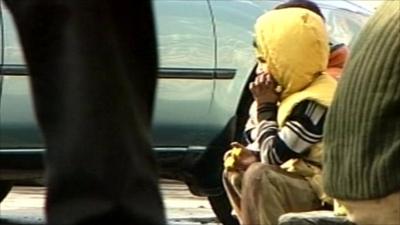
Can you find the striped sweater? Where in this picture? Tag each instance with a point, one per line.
(302, 129)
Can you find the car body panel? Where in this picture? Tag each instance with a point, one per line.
(18, 126)
(186, 49)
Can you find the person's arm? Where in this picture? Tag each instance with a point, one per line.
(249, 132)
(302, 129)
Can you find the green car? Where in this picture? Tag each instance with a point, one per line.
(206, 62)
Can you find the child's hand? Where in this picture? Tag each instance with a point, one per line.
(263, 89)
(239, 157)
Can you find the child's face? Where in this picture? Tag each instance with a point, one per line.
(261, 62)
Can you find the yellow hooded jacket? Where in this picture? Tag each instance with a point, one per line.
(294, 45)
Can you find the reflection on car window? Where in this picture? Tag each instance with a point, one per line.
(343, 26)
(185, 34)
(235, 31)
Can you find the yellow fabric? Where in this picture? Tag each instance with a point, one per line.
(294, 44)
(321, 90)
(339, 209)
(307, 168)
(230, 161)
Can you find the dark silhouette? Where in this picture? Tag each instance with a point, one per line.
(93, 66)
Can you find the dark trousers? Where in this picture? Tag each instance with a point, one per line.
(93, 66)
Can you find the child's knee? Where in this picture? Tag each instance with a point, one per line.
(258, 173)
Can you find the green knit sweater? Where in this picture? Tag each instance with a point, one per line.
(362, 130)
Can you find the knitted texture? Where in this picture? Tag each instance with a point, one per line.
(362, 131)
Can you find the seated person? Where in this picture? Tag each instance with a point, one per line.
(280, 171)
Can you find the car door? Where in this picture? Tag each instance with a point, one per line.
(234, 22)
(186, 68)
(18, 126)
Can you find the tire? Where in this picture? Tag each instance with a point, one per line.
(220, 204)
(5, 188)
(223, 210)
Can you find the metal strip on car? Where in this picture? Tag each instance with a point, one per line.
(196, 73)
(167, 73)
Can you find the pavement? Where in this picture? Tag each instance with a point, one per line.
(25, 205)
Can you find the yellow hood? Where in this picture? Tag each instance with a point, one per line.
(293, 42)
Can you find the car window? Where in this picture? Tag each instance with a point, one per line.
(184, 34)
(13, 54)
(343, 26)
(235, 31)
(183, 41)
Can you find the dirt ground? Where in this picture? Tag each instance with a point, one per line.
(24, 205)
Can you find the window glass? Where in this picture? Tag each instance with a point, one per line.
(343, 26)
(184, 34)
(13, 53)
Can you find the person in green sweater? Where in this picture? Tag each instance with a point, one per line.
(362, 129)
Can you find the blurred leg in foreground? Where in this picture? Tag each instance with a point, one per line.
(93, 65)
